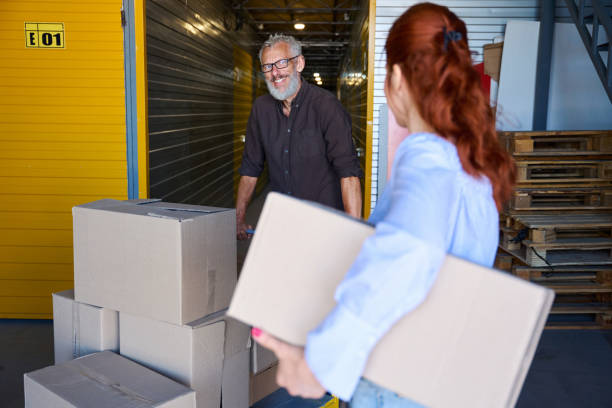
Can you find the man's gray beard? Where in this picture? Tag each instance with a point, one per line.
(294, 83)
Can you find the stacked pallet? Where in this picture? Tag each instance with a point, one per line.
(557, 229)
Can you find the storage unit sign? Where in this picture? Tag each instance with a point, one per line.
(44, 35)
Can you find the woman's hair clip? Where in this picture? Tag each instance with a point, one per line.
(450, 36)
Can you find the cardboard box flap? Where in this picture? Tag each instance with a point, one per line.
(80, 329)
(468, 344)
(107, 379)
(185, 207)
(143, 200)
(208, 319)
(237, 334)
(152, 208)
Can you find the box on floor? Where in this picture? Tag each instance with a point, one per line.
(102, 380)
(262, 384)
(170, 262)
(80, 329)
(210, 355)
(477, 329)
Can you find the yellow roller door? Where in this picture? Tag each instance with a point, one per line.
(62, 139)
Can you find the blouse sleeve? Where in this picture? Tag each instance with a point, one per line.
(393, 272)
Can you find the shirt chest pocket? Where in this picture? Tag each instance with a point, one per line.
(310, 143)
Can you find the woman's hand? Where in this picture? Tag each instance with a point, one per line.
(293, 371)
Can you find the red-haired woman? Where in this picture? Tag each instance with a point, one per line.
(449, 179)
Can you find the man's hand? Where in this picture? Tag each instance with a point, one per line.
(293, 371)
(241, 232)
(246, 186)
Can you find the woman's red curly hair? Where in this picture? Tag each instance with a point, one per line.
(447, 89)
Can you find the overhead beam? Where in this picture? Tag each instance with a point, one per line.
(307, 33)
(299, 10)
(336, 45)
(349, 22)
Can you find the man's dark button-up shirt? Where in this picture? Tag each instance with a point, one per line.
(307, 152)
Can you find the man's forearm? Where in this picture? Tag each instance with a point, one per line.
(246, 186)
(351, 195)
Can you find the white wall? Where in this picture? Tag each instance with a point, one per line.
(577, 99)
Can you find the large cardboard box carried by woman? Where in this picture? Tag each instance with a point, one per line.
(470, 343)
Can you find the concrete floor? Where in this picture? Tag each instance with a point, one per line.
(571, 368)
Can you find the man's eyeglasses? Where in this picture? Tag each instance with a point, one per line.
(280, 64)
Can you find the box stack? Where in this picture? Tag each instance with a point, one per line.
(152, 282)
(557, 229)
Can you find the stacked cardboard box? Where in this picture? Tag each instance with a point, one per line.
(80, 329)
(152, 281)
(557, 228)
(103, 379)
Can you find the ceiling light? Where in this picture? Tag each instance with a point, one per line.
(316, 74)
(299, 26)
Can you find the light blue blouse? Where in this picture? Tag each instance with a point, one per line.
(430, 207)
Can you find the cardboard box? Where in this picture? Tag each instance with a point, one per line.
(261, 358)
(492, 55)
(103, 380)
(235, 385)
(80, 329)
(263, 384)
(209, 355)
(170, 262)
(470, 343)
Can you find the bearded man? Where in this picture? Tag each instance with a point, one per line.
(304, 134)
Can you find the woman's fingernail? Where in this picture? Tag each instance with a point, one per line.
(255, 332)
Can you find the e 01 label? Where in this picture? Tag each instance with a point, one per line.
(44, 35)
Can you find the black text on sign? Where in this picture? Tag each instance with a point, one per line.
(44, 35)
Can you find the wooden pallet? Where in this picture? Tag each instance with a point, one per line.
(594, 316)
(503, 261)
(565, 274)
(553, 240)
(561, 199)
(577, 290)
(541, 224)
(557, 143)
(554, 257)
(564, 172)
(582, 284)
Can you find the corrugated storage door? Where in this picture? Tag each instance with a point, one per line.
(243, 100)
(62, 138)
(191, 78)
(353, 90)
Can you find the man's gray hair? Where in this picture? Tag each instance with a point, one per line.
(294, 45)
